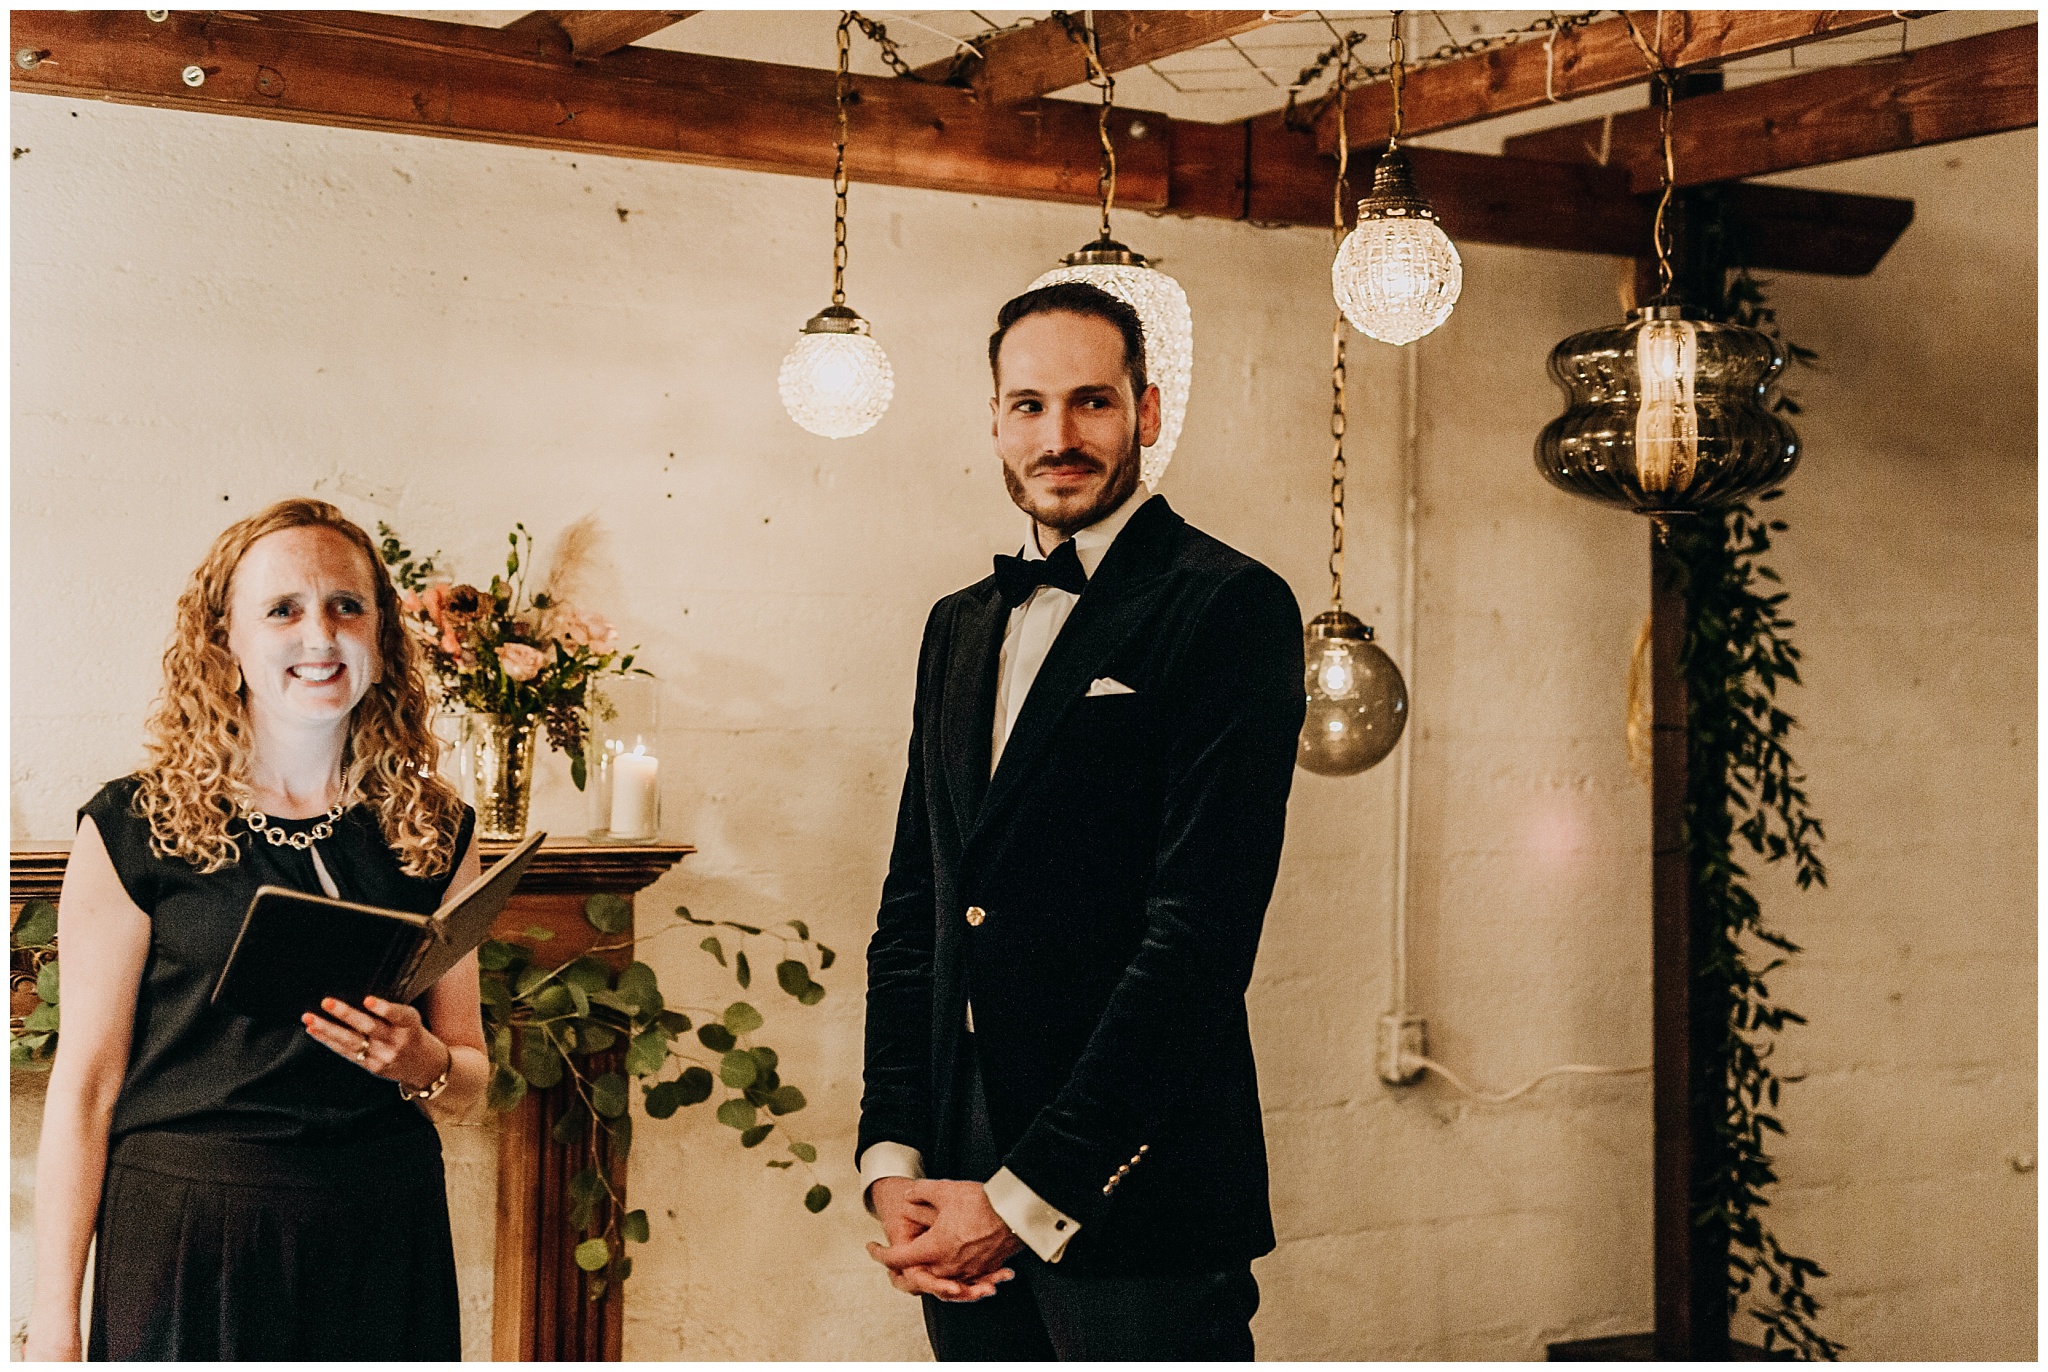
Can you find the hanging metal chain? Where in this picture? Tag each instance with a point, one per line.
(846, 21)
(1337, 425)
(1665, 83)
(1084, 33)
(879, 36)
(1397, 79)
(1338, 399)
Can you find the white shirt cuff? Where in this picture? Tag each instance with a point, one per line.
(887, 1159)
(1044, 1230)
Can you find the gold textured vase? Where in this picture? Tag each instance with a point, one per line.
(501, 760)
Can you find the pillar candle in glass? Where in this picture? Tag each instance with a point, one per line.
(622, 782)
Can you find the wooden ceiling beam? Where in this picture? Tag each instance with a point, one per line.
(593, 33)
(399, 75)
(1572, 206)
(1583, 61)
(1936, 94)
(416, 76)
(1027, 63)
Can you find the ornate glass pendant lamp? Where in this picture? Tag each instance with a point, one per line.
(1161, 304)
(1666, 413)
(1357, 699)
(836, 381)
(1398, 274)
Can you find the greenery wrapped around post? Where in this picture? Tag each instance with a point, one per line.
(1743, 784)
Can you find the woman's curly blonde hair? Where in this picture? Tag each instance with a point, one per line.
(197, 777)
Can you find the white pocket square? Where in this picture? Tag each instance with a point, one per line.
(1109, 686)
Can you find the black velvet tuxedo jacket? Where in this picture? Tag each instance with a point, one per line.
(1118, 864)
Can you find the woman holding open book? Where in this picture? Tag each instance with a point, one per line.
(259, 1190)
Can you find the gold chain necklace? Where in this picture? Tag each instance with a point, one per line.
(259, 823)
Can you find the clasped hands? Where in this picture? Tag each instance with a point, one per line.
(945, 1239)
(389, 1040)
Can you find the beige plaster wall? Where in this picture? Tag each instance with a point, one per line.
(210, 314)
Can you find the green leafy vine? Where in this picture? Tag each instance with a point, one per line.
(598, 1030)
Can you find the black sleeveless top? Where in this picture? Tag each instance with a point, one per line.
(197, 1069)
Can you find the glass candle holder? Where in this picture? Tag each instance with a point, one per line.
(622, 763)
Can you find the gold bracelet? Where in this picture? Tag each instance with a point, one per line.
(432, 1088)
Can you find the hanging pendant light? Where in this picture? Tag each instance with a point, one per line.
(836, 381)
(1666, 413)
(1357, 699)
(1161, 304)
(1398, 274)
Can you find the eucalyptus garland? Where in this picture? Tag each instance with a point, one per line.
(1742, 783)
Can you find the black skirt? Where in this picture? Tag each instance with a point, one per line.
(217, 1249)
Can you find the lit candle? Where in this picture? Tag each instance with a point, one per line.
(635, 790)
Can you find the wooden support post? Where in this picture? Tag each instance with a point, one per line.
(1689, 1022)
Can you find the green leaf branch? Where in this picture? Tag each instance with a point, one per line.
(32, 1037)
(546, 1023)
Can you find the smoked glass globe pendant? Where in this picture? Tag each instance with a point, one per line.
(1398, 274)
(1667, 414)
(1161, 304)
(836, 380)
(1357, 701)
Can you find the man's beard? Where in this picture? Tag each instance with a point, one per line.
(1067, 522)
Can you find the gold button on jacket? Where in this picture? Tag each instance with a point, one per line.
(975, 915)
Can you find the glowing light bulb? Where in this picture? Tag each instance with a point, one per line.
(1398, 274)
(836, 380)
(1668, 423)
(1334, 674)
(1357, 701)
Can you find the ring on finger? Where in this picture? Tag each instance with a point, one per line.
(363, 1053)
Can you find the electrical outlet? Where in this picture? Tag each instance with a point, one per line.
(1403, 1043)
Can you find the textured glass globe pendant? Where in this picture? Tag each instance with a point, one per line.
(1667, 414)
(1169, 325)
(836, 380)
(1111, 267)
(1398, 274)
(1357, 701)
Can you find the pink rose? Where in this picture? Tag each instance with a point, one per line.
(520, 662)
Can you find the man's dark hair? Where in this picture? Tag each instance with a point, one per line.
(1076, 297)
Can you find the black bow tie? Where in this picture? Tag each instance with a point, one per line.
(1017, 578)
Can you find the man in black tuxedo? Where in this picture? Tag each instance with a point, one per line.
(1060, 1131)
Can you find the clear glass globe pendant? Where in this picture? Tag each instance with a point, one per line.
(1169, 325)
(1398, 274)
(1357, 700)
(836, 380)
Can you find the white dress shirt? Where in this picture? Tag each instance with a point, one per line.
(1033, 627)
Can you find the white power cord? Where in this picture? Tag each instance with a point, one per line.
(1503, 1097)
(1401, 1062)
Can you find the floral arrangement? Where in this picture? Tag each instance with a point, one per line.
(498, 650)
